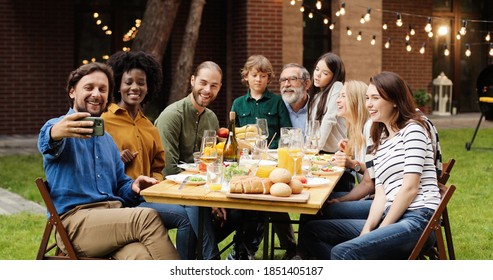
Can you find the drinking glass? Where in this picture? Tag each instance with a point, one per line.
(251, 134)
(264, 129)
(310, 146)
(295, 150)
(208, 151)
(215, 176)
(260, 149)
(209, 133)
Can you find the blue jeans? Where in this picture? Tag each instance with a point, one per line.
(185, 220)
(340, 239)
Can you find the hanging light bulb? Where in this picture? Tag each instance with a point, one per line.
(446, 52)
(326, 21)
(430, 34)
(362, 20)
(310, 15)
(407, 37)
(398, 22)
(458, 36)
(387, 44)
(411, 30)
(491, 50)
(442, 30)
(422, 50)
(292, 2)
(348, 31)
(332, 26)
(488, 37)
(95, 15)
(428, 25)
(359, 37)
(408, 46)
(373, 40)
(319, 5)
(384, 26)
(367, 16)
(338, 13)
(302, 9)
(342, 11)
(468, 50)
(463, 28)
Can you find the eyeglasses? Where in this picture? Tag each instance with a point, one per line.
(291, 79)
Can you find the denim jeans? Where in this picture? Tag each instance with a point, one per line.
(340, 238)
(185, 220)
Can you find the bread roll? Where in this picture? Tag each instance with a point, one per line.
(296, 186)
(280, 189)
(280, 175)
(267, 184)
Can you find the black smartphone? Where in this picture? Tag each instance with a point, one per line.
(97, 127)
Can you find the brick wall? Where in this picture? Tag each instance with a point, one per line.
(36, 55)
(414, 67)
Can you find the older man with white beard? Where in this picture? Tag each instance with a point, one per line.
(294, 83)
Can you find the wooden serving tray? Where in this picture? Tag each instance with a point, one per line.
(302, 197)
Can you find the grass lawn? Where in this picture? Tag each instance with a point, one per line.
(469, 208)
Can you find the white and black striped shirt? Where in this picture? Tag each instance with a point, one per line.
(409, 151)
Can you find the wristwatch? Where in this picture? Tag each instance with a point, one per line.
(357, 167)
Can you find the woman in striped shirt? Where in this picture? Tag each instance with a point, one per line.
(406, 190)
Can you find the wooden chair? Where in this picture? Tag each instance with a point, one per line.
(434, 225)
(47, 250)
(447, 168)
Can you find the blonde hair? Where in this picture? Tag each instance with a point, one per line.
(259, 63)
(356, 116)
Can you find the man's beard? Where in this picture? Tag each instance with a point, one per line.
(196, 97)
(293, 97)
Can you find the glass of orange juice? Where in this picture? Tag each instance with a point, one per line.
(215, 176)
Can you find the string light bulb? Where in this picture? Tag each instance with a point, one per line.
(373, 40)
(446, 52)
(360, 36)
(332, 26)
(348, 31)
(310, 15)
(387, 44)
(384, 26)
(407, 37)
(491, 50)
(95, 15)
(326, 21)
(468, 50)
(338, 13)
(430, 34)
(458, 36)
(342, 11)
(318, 5)
(487, 37)
(422, 50)
(463, 28)
(362, 20)
(412, 32)
(428, 27)
(408, 46)
(293, 2)
(398, 22)
(367, 16)
(302, 9)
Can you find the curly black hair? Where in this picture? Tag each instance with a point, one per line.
(122, 62)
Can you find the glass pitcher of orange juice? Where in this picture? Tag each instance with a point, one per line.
(284, 160)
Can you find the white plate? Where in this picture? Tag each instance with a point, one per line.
(315, 182)
(331, 171)
(178, 178)
(192, 167)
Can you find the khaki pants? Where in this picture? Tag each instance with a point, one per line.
(105, 229)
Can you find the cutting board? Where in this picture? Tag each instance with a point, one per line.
(302, 197)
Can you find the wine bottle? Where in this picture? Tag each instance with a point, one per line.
(231, 152)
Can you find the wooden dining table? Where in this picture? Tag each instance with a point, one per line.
(169, 192)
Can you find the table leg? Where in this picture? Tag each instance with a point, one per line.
(265, 253)
(200, 234)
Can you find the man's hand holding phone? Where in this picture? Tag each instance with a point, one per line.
(77, 125)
